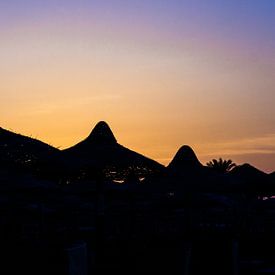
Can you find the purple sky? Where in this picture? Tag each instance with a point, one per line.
(162, 73)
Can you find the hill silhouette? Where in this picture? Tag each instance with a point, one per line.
(251, 179)
(102, 151)
(20, 149)
(93, 192)
(185, 160)
(101, 134)
(248, 172)
(185, 174)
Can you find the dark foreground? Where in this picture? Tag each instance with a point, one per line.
(100, 208)
(83, 230)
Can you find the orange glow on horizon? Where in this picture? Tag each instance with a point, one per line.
(160, 79)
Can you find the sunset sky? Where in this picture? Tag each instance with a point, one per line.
(162, 73)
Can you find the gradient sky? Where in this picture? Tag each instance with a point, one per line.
(162, 73)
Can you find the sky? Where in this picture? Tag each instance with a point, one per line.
(161, 73)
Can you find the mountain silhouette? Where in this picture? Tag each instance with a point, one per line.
(250, 179)
(272, 175)
(57, 202)
(22, 149)
(101, 134)
(272, 179)
(248, 172)
(185, 160)
(101, 150)
(187, 174)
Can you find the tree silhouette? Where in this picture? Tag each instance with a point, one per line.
(221, 166)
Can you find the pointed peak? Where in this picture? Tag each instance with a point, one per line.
(102, 125)
(185, 158)
(185, 149)
(102, 133)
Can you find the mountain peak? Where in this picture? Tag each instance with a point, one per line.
(102, 133)
(185, 158)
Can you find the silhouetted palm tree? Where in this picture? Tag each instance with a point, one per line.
(221, 166)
